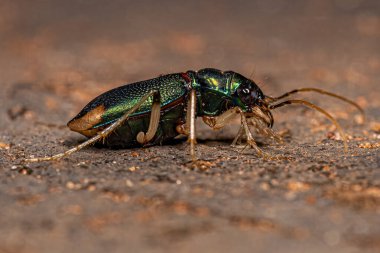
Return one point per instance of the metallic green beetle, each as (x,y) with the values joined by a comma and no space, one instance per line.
(155,111)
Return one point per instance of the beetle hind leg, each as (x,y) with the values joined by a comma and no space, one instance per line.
(101,135)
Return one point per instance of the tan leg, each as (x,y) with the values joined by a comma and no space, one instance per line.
(251,142)
(191,113)
(185,128)
(238,136)
(262,121)
(182,129)
(101,135)
(221,120)
(142,137)
(261,127)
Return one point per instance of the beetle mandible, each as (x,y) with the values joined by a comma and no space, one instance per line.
(155,111)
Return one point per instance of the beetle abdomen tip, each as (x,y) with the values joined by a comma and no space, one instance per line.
(84,124)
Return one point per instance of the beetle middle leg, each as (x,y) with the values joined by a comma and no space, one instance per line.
(142,137)
(191,113)
(108,130)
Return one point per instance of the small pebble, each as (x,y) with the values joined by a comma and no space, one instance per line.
(129,183)
(4,145)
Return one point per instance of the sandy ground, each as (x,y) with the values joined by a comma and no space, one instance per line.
(56,56)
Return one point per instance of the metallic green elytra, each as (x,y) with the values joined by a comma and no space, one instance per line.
(157,110)
(216,92)
(111,105)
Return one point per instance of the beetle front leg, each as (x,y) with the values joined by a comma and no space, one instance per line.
(238,136)
(221,120)
(248,133)
(103,134)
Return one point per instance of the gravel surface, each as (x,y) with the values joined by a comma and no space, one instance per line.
(56,56)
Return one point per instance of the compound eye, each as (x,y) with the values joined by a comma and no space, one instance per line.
(246,91)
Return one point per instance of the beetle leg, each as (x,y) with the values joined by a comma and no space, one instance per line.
(248,133)
(191,113)
(103,134)
(261,128)
(142,137)
(220,121)
(182,129)
(238,136)
(185,128)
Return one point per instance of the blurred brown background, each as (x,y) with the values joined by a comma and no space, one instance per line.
(57,55)
(79,49)
(329,42)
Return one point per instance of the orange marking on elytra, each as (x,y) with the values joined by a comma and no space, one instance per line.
(84,124)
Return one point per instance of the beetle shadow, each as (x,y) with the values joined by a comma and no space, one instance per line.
(75,141)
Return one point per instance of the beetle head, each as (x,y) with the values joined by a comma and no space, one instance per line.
(249,97)
(248,92)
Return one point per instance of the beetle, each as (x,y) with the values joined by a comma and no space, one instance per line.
(155,111)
